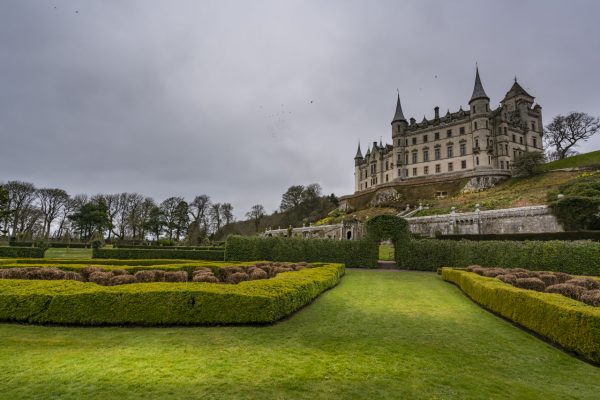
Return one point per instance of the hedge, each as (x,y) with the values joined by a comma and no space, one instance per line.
(30,252)
(197,303)
(89,261)
(572,235)
(569,323)
(56,245)
(157,254)
(352,253)
(152,247)
(578,258)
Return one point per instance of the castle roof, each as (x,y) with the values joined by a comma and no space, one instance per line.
(399,115)
(517,90)
(478,92)
(358,152)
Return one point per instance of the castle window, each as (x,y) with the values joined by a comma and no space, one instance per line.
(486,124)
(533,125)
(386,177)
(449,133)
(425,139)
(414,140)
(505,130)
(438,168)
(507,166)
(499,130)
(514,138)
(425,170)
(414,172)
(521,139)
(449,152)
(475,124)
(387,165)
(463,149)
(450,167)
(462,130)
(398,127)
(399,142)
(463,164)
(477,160)
(501,164)
(414,157)
(437,153)
(474,109)
(437,135)
(425,155)
(487,107)
(506,148)
(406,158)
(534,142)
(406,144)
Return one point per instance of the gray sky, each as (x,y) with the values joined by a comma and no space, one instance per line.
(242,99)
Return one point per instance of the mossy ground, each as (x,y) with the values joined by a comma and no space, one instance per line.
(379,334)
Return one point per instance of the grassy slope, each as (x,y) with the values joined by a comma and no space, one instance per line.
(581,160)
(377,335)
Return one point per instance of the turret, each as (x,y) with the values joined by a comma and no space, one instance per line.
(399,123)
(358,158)
(480,102)
(482,138)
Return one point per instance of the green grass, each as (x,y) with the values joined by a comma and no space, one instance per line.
(68,253)
(377,335)
(581,160)
(386,252)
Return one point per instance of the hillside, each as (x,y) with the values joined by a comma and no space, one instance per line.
(591,160)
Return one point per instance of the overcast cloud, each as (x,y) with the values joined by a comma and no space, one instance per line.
(241,99)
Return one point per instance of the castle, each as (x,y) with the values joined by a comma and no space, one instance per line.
(475,142)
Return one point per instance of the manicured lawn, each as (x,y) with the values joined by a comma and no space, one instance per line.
(379,334)
(68,253)
(386,252)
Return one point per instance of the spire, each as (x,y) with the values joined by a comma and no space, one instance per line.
(478,92)
(358,152)
(368,153)
(398,116)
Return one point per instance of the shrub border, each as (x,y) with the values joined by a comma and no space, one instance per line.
(120,253)
(568,323)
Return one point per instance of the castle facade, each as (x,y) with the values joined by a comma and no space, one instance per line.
(476,140)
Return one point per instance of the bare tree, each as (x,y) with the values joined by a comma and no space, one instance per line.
(227,213)
(256,214)
(216,216)
(199,217)
(20,199)
(565,132)
(51,203)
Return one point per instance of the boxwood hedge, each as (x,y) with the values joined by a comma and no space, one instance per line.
(83,303)
(159,253)
(569,323)
(578,258)
(31,252)
(352,253)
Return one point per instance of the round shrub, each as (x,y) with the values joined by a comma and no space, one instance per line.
(205,278)
(202,270)
(591,297)
(119,272)
(566,289)
(237,277)
(587,283)
(176,276)
(562,277)
(73,276)
(122,279)
(507,278)
(258,274)
(493,272)
(549,279)
(531,284)
(145,276)
(87,271)
(100,277)
(159,275)
(522,275)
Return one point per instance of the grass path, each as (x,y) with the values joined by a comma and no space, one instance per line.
(379,334)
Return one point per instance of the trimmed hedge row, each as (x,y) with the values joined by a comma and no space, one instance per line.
(153,247)
(30,252)
(569,323)
(56,245)
(210,255)
(573,235)
(352,253)
(84,303)
(89,261)
(577,258)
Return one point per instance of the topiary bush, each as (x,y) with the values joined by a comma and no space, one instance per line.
(566,289)
(530,283)
(586,283)
(168,253)
(21,252)
(591,297)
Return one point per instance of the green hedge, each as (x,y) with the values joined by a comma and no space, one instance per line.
(571,235)
(352,253)
(158,254)
(569,323)
(579,258)
(56,245)
(30,252)
(155,247)
(82,303)
(89,261)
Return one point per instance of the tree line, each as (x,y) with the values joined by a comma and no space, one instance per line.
(29,213)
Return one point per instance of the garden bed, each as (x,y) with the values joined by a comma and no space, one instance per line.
(164,303)
(571,324)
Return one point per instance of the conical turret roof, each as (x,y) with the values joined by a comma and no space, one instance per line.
(358,152)
(399,115)
(478,92)
(517,90)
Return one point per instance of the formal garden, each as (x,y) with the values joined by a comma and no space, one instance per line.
(299,318)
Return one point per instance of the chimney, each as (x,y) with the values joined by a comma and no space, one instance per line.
(412,121)
(437,112)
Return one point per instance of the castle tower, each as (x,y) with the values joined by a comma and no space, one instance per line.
(399,125)
(483,142)
(358,160)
